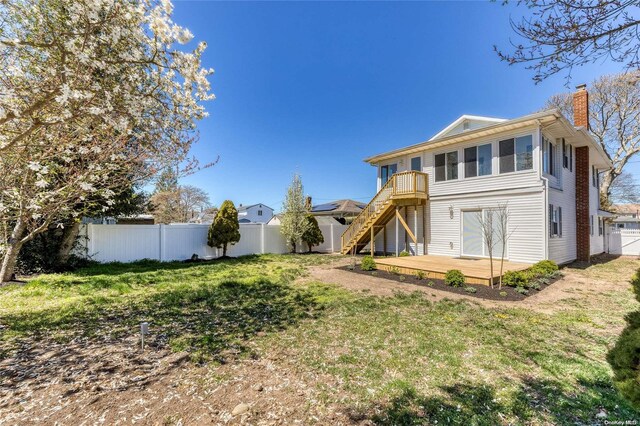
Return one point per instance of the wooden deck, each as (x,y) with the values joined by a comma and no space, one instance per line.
(476,271)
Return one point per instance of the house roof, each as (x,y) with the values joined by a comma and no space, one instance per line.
(626,208)
(338,207)
(462,119)
(242,208)
(579,136)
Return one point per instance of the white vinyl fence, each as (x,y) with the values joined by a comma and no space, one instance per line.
(624,242)
(128,243)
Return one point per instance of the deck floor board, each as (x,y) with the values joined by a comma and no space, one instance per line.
(477,271)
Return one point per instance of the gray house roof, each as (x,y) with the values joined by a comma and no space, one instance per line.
(242,208)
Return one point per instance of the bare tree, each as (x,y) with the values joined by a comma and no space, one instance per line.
(486,219)
(503,234)
(625,189)
(179,204)
(561,35)
(614,121)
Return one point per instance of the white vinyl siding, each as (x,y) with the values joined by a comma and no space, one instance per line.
(526,223)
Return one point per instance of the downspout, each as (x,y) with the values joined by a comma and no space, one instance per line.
(545,189)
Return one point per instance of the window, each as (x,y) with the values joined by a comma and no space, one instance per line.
(570,158)
(565,155)
(548,157)
(516,154)
(387,171)
(555,221)
(506,149)
(259,212)
(593,175)
(600,226)
(446,166)
(591,225)
(524,153)
(477,161)
(416,164)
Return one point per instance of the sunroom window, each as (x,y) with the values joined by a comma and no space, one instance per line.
(477,161)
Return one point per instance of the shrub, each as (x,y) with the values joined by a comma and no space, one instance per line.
(368,264)
(534,285)
(522,290)
(404,253)
(224,229)
(454,278)
(470,289)
(544,267)
(312,235)
(515,279)
(503,293)
(421,275)
(430,283)
(623,357)
(402,278)
(394,270)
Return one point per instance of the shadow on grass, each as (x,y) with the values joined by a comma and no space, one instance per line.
(534,400)
(211,322)
(149,265)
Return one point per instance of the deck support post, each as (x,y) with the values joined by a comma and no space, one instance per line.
(373,241)
(415,226)
(397,230)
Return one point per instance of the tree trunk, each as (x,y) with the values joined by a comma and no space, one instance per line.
(68,239)
(605,187)
(224,250)
(491,266)
(504,243)
(293,245)
(10,256)
(310,246)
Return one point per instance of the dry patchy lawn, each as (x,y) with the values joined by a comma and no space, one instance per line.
(285,339)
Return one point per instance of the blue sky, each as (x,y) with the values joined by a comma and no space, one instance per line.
(315,87)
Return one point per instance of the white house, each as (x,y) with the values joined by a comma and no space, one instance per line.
(542,167)
(255,213)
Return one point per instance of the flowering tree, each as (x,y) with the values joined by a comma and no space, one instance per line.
(94,94)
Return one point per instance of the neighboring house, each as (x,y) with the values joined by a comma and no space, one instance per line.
(627,216)
(205,217)
(344,211)
(255,213)
(99,220)
(322,220)
(541,166)
(139,219)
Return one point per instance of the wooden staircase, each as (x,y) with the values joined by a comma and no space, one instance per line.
(402,189)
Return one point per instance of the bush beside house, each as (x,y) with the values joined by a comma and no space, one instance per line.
(225,228)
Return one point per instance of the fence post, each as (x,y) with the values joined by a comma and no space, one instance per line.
(161,242)
(262,225)
(331,230)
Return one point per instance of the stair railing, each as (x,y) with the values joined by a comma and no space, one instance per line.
(398,184)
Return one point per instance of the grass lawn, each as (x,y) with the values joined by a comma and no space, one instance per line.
(383,360)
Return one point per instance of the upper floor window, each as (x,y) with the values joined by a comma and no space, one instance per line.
(259,212)
(477,161)
(567,156)
(594,176)
(416,164)
(446,166)
(387,171)
(549,153)
(516,154)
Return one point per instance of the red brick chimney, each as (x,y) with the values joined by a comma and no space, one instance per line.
(583,234)
(581,107)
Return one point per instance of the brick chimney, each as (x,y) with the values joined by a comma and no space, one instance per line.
(581,119)
(581,107)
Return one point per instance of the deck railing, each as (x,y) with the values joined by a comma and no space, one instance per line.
(402,184)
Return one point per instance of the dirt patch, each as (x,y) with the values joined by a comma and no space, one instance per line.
(114,382)
(480,291)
